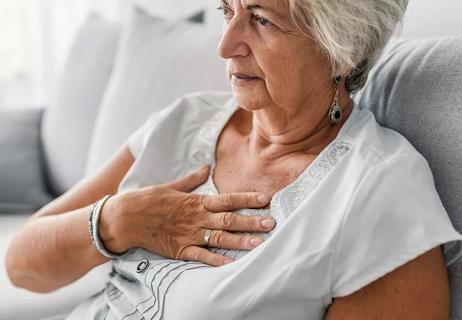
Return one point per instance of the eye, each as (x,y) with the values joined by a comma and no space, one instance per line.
(225,10)
(263,21)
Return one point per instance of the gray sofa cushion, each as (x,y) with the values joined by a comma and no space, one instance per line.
(416,89)
(22,184)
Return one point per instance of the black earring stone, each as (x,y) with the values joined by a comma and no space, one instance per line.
(337,115)
(337,79)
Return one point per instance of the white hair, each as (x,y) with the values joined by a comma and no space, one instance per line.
(352,33)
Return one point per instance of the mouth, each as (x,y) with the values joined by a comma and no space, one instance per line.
(240,79)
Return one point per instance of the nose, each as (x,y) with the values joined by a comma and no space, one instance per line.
(233,43)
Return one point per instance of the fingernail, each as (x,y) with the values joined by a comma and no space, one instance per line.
(262,198)
(256,241)
(267,223)
(228,261)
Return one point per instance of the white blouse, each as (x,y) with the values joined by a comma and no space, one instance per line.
(366,205)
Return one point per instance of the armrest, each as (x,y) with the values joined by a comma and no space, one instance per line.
(22,183)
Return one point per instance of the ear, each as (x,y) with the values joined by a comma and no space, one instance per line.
(357,76)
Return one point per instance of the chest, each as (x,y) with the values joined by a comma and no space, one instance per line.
(237,171)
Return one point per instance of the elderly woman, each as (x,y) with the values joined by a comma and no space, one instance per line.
(354,228)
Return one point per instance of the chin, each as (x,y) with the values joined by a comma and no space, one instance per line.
(249,100)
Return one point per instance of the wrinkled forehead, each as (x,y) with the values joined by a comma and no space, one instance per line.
(279,6)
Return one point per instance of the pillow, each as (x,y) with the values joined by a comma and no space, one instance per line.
(158,61)
(415,89)
(68,123)
(22,186)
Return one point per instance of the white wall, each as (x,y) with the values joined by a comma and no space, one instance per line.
(35,39)
(430,18)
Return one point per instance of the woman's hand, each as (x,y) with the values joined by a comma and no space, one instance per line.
(170,221)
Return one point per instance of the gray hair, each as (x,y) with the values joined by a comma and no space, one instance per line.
(352,33)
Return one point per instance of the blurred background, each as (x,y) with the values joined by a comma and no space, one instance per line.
(36,36)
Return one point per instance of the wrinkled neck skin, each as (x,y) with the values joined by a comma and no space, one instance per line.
(275,134)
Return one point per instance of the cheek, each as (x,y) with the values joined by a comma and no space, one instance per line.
(283,70)
(294,67)
(291,77)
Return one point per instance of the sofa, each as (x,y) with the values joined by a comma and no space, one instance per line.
(117,73)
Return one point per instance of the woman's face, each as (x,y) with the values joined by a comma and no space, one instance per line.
(269,61)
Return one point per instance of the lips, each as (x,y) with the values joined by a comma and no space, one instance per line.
(243,75)
(239,78)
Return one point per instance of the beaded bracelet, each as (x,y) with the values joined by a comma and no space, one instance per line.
(90,219)
(93,227)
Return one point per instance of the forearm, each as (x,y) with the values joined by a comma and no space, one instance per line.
(52,251)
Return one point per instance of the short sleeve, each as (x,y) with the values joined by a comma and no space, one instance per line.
(137,140)
(395,215)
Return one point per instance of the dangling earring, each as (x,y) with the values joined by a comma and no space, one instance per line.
(335,111)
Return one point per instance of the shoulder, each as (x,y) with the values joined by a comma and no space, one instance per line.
(394,212)
(376,146)
(179,120)
(194,106)
(204,99)
(208,98)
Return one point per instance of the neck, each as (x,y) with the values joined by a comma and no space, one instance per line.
(275,134)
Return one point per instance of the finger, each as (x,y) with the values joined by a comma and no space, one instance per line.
(228,240)
(195,253)
(191,181)
(232,201)
(236,222)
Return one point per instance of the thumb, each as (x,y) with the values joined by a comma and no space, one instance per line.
(192,180)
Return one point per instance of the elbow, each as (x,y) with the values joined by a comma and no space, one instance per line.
(22,278)
(11,267)
(22,281)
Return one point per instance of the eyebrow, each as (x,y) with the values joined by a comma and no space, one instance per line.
(254,6)
(251,7)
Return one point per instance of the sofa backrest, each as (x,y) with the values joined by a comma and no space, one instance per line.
(415,89)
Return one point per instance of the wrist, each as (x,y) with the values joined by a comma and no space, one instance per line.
(111,226)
